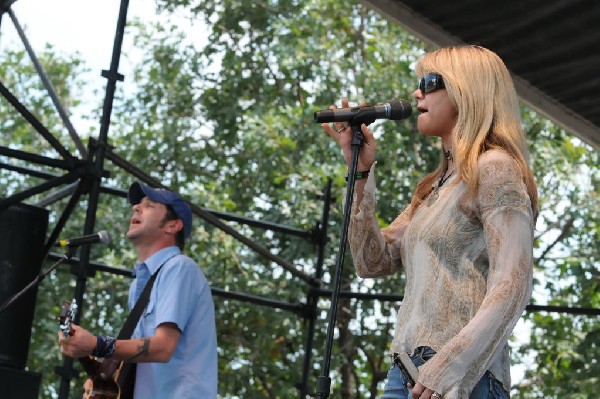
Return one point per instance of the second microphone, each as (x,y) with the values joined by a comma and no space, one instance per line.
(101,237)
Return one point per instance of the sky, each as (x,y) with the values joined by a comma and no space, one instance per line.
(77,26)
(88,27)
(84,26)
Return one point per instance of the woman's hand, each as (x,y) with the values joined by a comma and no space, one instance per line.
(422,392)
(342,134)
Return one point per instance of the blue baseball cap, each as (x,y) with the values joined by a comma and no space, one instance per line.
(137,191)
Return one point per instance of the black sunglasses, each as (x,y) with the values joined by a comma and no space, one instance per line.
(431,82)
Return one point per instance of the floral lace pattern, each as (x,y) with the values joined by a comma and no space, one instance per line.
(468,265)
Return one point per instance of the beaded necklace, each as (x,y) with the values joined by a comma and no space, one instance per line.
(448,155)
(435,191)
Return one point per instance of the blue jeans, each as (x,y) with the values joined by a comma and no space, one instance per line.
(395,388)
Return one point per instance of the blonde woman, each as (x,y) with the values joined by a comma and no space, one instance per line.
(465,240)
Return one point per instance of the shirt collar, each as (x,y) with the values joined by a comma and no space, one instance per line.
(157,259)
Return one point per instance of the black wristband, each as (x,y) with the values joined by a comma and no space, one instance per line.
(105,346)
(360,175)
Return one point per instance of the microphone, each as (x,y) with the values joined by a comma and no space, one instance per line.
(394,110)
(101,237)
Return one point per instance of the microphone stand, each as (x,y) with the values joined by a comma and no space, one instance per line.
(324,381)
(41,276)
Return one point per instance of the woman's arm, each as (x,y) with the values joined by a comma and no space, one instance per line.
(375,251)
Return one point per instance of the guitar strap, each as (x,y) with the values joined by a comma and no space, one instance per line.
(138,308)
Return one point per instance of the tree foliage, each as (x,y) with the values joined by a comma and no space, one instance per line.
(230,125)
(564,347)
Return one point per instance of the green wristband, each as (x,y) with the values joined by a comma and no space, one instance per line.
(360,175)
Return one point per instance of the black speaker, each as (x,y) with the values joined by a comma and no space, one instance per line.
(19,384)
(23,231)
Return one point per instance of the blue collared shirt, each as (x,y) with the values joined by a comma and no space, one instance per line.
(180,295)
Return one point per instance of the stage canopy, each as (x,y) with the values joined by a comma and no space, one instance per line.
(552,48)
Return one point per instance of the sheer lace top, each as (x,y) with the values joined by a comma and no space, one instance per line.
(468,265)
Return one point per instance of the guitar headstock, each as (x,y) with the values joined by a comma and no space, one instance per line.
(67,316)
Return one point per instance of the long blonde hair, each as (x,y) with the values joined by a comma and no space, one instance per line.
(480,87)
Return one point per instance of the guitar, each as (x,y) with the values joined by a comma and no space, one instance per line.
(110,378)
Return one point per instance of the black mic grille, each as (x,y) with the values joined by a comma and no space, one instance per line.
(400,109)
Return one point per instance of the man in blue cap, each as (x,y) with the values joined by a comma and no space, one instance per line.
(174,342)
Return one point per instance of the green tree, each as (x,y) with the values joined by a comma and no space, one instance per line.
(564,346)
(21,79)
(276,67)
